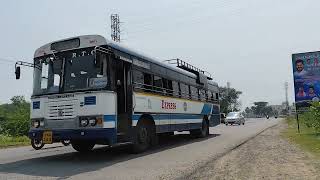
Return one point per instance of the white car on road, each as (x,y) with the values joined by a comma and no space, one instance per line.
(234,118)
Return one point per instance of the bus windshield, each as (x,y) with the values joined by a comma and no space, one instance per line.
(83,73)
(79,73)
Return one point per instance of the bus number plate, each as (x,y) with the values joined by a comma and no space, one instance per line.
(47,137)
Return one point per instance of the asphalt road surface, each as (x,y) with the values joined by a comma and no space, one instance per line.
(174,157)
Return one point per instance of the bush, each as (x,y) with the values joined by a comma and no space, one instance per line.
(312,118)
(14,117)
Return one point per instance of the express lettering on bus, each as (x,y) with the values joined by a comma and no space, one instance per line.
(168,105)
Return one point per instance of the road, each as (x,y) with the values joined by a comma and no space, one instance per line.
(172,158)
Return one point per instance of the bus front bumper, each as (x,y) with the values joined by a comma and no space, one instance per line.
(105,134)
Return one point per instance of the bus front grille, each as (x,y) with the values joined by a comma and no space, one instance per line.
(61,111)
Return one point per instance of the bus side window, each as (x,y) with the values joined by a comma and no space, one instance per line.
(209,96)
(188,92)
(175,87)
(202,94)
(157,84)
(165,86)
(194,93)
(217,96)
(170,88)
(183,90)
(147,82)
(138,80)
(206,95)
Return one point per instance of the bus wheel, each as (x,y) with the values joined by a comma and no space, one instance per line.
(142,139)
(66,142)
(82,146)
(203,131)
(37,144)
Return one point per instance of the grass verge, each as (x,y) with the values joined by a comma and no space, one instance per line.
(307,139)
(8,141)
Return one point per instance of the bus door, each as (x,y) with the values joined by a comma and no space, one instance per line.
(124,97)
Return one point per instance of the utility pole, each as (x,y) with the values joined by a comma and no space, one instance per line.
(286,92)
(115,27)
(228,96)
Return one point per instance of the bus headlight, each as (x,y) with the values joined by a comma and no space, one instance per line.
(84,122)
(93,121)
(36,123)
(42,123)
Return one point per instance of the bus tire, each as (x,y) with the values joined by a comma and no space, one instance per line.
(82,146)
(37,144)
(143,137)
(66,142)
(203,131)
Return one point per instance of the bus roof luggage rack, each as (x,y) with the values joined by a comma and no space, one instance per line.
(188,67)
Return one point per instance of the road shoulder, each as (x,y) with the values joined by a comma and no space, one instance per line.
(266,156)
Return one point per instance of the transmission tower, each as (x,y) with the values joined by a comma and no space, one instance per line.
(286,91)
(115,27)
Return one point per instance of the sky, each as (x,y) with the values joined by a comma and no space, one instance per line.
(247,43)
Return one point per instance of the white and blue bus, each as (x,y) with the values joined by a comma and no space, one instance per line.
(92,91)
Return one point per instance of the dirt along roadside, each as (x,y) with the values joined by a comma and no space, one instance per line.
(266,156)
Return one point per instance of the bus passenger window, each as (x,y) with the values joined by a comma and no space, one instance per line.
(157,83)
(170,88)
(188,92)
(175,87)
(194,93)
(184,90)
(147,82)
(209,96)
(165,86)
(138,80)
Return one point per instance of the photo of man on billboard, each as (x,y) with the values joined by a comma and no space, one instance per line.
(300,71)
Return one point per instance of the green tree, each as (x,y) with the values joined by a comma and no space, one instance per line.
(229,99)
(312,117)
(259,108)
(14,117)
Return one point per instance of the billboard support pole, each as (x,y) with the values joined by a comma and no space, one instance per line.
(298,123)
(297,116)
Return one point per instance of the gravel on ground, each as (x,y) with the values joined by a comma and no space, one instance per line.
(266,156)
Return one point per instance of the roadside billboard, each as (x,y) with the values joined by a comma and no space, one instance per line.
(306,75)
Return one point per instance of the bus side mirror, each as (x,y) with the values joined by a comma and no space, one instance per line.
(18,72)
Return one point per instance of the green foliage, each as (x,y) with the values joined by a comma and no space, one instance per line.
(229,99)
(260,108)
(307,139)
(14,117)
(312,117)
(6,141)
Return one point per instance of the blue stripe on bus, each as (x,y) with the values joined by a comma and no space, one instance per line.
(109,117)
(206,109)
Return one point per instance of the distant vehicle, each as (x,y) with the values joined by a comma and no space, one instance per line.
(234,118)
(223,118)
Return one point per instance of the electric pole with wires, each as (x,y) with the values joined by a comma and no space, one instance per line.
(115,27)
